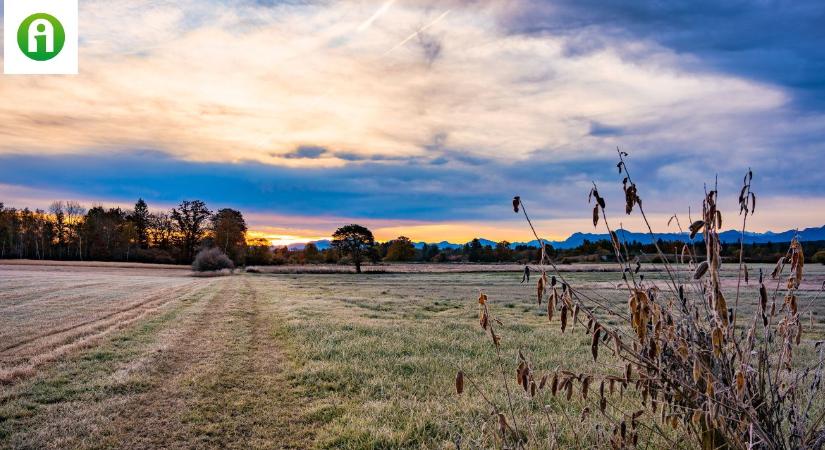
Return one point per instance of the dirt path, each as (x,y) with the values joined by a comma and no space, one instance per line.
(206,374)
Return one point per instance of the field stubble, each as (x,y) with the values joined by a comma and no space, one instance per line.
(156,358)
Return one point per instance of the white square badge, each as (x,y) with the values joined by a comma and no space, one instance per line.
(40,37)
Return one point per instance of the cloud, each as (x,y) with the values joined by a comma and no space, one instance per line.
(290,74)
(402,191)
(599,129)
(306,152)
(773,42)
(302,108)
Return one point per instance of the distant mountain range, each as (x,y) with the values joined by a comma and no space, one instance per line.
(577,239)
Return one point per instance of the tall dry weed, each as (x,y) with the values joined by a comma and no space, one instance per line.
(702,377)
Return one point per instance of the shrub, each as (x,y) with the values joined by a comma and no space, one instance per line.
(819,257)
(211,259)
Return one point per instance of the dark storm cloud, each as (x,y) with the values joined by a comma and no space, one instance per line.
(779,42)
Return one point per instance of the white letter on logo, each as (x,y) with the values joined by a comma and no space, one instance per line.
(41,27)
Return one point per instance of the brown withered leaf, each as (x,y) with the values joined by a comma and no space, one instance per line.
(575,315)
(695,227)
(563,317)
(697,371)
(740,382)
(502,424)
(540,288)
(777,269)
(459,382)
(716,338)
(763,298)
(700,271)
(594,345)
(791,302)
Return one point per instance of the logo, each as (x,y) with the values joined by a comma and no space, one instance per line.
(40,37)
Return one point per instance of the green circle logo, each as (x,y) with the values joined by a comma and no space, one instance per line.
(41,37)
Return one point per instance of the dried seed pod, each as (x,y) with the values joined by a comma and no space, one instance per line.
(700,271)
(569,385)
(554,385)
(496,338)
(502,424)
(459,382)
(575,315)
(740,382)
(763,298)
(595,216)
(543,381)
(520,371)
(683,351)
(697,371)
(533,388)
(585,386)
(540,287)
(594,345)
(790,301)
(585,414)
(563,317)
(716,338)
(695,227)
(482,298)
(777,269)
(516,203)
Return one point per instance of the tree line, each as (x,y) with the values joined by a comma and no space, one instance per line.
(68,231)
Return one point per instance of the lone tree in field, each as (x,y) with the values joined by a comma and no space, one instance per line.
(355,241)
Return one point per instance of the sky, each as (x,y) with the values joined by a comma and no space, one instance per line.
(424,118)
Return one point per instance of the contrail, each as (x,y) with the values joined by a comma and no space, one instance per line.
(437,19)
(380,12)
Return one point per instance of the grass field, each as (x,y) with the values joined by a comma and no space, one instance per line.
(141,357)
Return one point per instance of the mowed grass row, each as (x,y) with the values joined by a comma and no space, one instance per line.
(324,361)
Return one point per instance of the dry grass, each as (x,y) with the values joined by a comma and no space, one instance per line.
(300,361)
